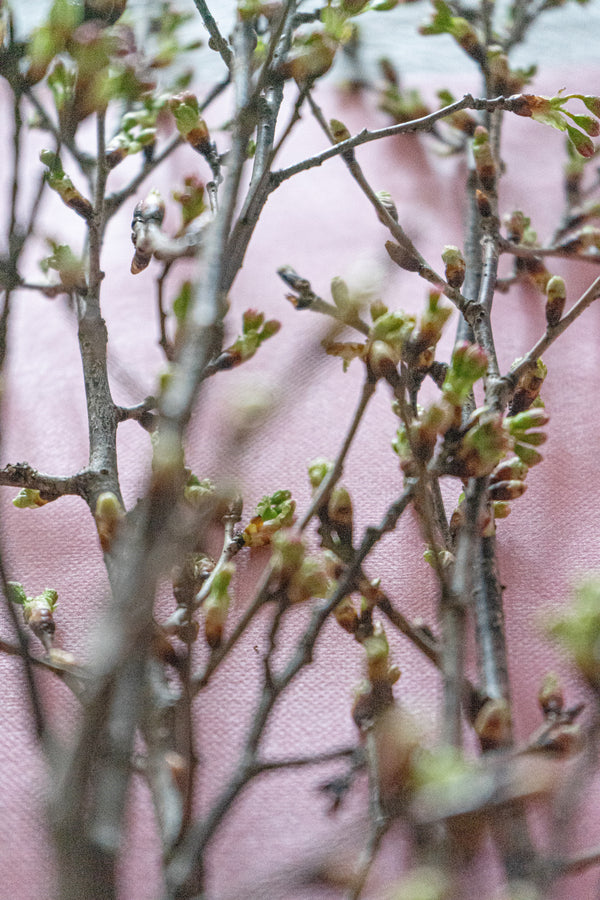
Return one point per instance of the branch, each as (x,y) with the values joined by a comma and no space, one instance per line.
(51,487)
(425,123)
(217,41)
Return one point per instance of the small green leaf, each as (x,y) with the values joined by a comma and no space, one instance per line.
(182,301)
(16,592)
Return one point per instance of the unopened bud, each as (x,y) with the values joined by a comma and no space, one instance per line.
(339,132)
(529,456)
(28,498)
(346,615)
(484,159)
(512,469)
(550,695)
(529,418)
(501,509)
(493,725)
(516,223)
(317,470)
(377,652)
(483,204)
(402,257)
(382,360)
(108,514)
(455,265)
(388,204)
(339,508)
(556,294)
(507,490)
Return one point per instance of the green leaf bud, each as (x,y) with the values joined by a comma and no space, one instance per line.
(582,143)
(377,652)
(318,469)
(16,593)
(501,509)
(289,552)
(516,224)
(530,418)
(252,320)
(308,581)
(339,132)
(556,296)
(216,606)
(577,630)
(529,456)
(28,498)
(341,295)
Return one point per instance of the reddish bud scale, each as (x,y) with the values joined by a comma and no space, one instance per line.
(550,695)
(483,204)
(382,360)
(484,159)
(140,262)
(507,490)
(402,257)
(455,266)
(346,615)
(493,725)
(556,299)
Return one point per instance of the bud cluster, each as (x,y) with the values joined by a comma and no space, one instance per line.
(254,332)
(301,577)
(465,35)
(38,612)
(272,513)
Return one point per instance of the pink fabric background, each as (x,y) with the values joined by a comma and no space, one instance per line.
(321,224)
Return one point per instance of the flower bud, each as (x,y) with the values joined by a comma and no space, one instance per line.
(550,695)
(339,132)
(484,159)
(512,469)
(455,265)
(556,294)
(483,204)
(493,725)
(382,360)
(529,456)
(108,514)
(38,614)
(346,615)
(516,224)
(528,387)
(308,581)
(318,469)
(377,652)
(507,490)
(529,418)
(501,509)
(339,508)
(216,607)
(387,201)
(289,553)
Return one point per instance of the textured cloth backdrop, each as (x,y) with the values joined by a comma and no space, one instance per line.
(320,223)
